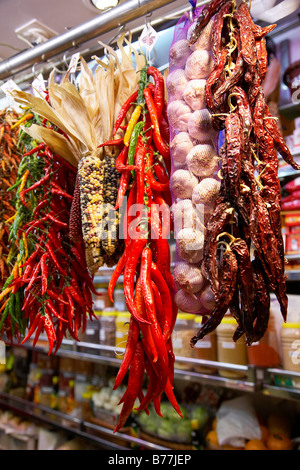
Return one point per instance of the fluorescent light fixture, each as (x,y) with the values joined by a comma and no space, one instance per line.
(104,4)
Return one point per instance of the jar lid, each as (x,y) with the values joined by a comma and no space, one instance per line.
(290,325)
(186,316)
(229,321)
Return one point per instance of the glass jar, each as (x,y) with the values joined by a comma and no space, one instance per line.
(107,333)
(265,352)
(101,301)
(122,327)
(90,335)
(290,342)
(183,332)
(229,351)
(119,298)
(205,349)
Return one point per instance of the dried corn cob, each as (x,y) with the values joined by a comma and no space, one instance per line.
(90,175)
(110,221)
(75,230)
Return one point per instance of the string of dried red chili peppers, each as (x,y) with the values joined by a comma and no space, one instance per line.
(54,280)
(144,164)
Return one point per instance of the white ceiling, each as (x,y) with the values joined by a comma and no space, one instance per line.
(60,15)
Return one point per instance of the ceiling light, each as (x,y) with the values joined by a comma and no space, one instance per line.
(104,4)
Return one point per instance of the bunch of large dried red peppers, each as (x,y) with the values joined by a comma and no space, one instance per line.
(144,163)
(243,250)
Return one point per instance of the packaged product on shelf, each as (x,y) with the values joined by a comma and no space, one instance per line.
(231,352)
(205,349)
(66,380)
(107,333)
(122,328)
(183,330)
(290,343)
(101,301)
(119,298)
(265,352)
(90,334)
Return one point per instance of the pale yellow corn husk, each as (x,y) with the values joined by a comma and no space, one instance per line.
(87,116)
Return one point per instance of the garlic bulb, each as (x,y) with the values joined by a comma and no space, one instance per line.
(185,215)
(176,82)
(207,298)
(190,245)
(200,126)
(179,52)
(198,65)
(202,160)
(180,146)
(188,277)
(194,94)
(182,183)
(178,113)
(186,302)
(206,193)
(205,38)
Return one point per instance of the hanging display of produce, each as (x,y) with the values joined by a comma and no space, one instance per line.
(226,170)
(103,170)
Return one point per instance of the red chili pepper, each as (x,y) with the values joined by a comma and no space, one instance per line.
(75,295)
(135,379)
(171,397)
(129,275)
(34,276)
(123,111)
(56,221)
(123,186)
(132,339)
(52,309)
(145,274)
(34,150)
(40,205)
(50,331)
(44,270)
(55,261)
(128,218)
(110,143)
(154,385)
(34,186)
(70,309)
(116,274)
(39,329)
(60,192)
(164,208)
(159,88)
(36,223)
(121,160)
(32,328)
(158,305)
(161,145)
(140,174)
(155,185)
(165,294)
(147,338)
(56,297)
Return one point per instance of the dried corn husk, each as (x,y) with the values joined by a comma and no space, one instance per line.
(87,115)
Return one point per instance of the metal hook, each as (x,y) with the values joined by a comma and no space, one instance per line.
(147,22)
(33,70)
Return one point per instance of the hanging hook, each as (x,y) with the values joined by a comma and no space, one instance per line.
(147,16)
(33,70)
